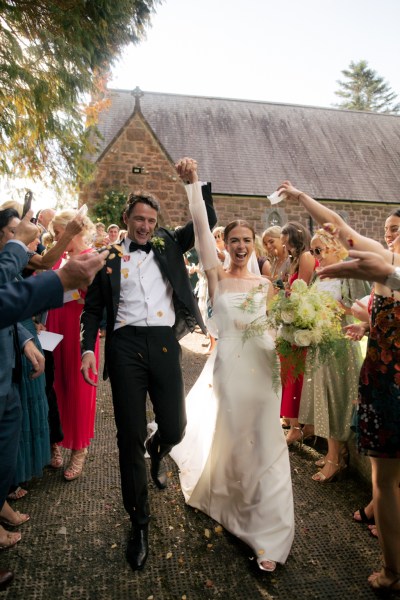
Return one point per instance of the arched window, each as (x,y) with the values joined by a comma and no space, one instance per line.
(274,216)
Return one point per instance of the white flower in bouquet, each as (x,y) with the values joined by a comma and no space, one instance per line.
(307,313)
(308,323)
(303,337)
(286,332)
(317,335)
(299,286)
(287,316)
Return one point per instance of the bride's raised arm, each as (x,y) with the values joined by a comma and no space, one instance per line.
(204,240)
(349,237)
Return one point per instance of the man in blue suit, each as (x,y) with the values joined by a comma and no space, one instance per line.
(19,300)
(13,340)
(22,299)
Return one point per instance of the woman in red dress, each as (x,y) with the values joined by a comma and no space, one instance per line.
(76,399)
(296,239)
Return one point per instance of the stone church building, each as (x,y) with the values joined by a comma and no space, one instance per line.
(347,159)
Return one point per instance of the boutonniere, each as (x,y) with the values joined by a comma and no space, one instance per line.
(158,243)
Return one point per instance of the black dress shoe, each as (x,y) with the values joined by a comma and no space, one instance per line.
(137,549)
(6,578)
(158,470)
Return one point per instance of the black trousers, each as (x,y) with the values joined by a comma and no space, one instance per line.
(144,360)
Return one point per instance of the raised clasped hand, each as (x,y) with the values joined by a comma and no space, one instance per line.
(187,169)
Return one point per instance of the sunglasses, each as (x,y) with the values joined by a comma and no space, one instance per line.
(316,251)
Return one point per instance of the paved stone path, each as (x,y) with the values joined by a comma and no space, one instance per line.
(73,546)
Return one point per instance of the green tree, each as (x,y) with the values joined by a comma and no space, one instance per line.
(364,89)
(53,54)
(110,209)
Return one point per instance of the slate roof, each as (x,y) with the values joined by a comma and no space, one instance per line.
(247,147)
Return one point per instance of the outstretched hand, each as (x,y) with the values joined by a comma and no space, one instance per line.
(288,189)
(79,272)
(187,170)
(26,231)
(367,266)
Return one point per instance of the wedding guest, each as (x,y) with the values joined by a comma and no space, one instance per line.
(329,391)
(44,217)
(233,460)
(33,453)
(392,228)
(378,416)
(122,235)
(113,233)
(20,300)
(262,259)
(276,253)
(12,204)
(76,399)
(142,355)
(218,233)
(296,240)
(100,236)
(34,444)
(14,341)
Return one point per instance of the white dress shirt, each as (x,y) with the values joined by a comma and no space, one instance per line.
(146,295)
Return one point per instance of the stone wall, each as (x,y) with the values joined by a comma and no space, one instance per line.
(368,219)
(136,146)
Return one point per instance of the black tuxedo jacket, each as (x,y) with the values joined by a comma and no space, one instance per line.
(105,289)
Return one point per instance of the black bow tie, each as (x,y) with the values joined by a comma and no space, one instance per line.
(145,247)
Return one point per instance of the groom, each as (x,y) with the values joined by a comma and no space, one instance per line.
(150,305)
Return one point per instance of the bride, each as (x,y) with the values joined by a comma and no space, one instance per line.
(233,460)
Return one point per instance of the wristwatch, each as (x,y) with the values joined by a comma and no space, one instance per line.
(393,280)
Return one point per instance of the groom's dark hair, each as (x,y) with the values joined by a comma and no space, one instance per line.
(136,197)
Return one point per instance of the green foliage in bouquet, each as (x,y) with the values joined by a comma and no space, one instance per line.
(308,322)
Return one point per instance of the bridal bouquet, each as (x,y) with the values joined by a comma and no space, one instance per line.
(308,321)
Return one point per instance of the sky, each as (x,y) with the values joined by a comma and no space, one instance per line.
(285,51)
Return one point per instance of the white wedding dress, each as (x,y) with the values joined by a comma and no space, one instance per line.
(233,460)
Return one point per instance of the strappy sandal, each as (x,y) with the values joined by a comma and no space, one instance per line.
(56,457)
(363,517)
(12,539)
(321,478)
(76,463)
(17,494)
(300,437)
(21,519)
(344,455)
